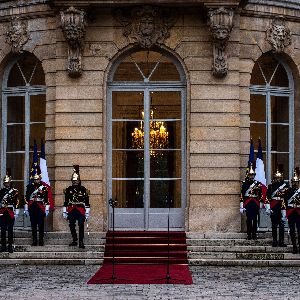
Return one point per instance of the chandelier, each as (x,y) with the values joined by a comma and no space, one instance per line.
(159,136)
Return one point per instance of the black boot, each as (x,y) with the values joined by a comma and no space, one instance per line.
(274,243)
(10,249)
(282,244)
(81,245)
(34,243)
(3,248)
(41,242)
(74,243)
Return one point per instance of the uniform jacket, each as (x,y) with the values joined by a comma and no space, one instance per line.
(276,194)
(76,197)
(292,201)
(37,195)
(251,191)
(9,200)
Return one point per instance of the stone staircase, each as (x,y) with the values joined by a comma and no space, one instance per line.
(221,249)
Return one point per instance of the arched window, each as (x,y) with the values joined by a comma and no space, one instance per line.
(23,116)
(146,140)
(272,113)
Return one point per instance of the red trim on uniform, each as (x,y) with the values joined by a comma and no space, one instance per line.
(39,204)
(248,200)
(273,203)
(79,208)
(10,211)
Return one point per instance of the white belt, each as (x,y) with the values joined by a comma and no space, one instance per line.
(277,198)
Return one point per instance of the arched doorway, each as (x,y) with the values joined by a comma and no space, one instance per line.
(23,119)
(147,141)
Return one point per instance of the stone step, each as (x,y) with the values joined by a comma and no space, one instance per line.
(58,248)
(245,262)
(52,255)
(53,261)
(59,234)
(242,249)
(228,242)
(28,241)
(243,256)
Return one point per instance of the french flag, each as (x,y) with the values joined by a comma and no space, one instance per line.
(44,173)
(260,170)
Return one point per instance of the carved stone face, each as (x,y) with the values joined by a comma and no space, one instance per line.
(220,32)
(147,25)
(280,32)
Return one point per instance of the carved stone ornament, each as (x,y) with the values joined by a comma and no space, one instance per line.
(146,25)
(17,35)
(220,23)
(73,22)
(278,35)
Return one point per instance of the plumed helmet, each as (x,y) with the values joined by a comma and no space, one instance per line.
(7,177)
(251,171)
(278,174)
(296,178)
(38,174)
(75,175)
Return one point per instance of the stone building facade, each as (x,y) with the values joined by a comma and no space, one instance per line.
(72,71)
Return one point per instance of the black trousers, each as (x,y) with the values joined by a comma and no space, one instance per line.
(294,221)
(252,211)
(74,216)
(7,224)
(37,217)
(277,222)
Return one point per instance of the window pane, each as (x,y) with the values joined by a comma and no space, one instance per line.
(15,109)
(165,164)
(128,164)
(37,108)
(258,108)
(162,190)
(258,131)
(165,134)
(129,193)
(15,161)
(127,105)
(280,138)
(127,135)
(32,71)
(280,77)
(282,161)
(166,105)
(37,132)
(165,71)
(15,138)
(280,109)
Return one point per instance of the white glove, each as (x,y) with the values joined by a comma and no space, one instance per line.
(87,213)
(261,205)
(65,214)
(47,210)
(241,204)
(268,208)
(242,210)
(26,213)
(283,215)
(17,212)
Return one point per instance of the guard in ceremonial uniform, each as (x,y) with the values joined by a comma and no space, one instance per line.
(9,211)
(292,202)
(276,206)
(251,196)
(37,205)
(76,207)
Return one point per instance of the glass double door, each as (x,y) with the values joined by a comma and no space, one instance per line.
(146,138)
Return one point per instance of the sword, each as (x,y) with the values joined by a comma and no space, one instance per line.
(87,227)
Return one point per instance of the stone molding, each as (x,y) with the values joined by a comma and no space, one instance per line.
(73,23)
(146,25)
(278,35)
(220,21)
(17,34)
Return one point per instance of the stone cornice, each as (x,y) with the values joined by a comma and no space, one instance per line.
(115,3)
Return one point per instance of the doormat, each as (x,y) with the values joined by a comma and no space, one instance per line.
(142,274)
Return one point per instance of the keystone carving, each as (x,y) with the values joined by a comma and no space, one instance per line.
(73,22)
(278,35)
(146,25)
(220,23)
(17,35)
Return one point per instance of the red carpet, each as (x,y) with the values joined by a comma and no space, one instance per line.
(141,257)
(142,274)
